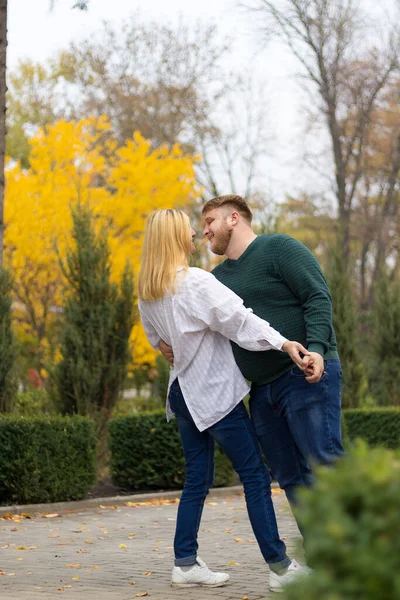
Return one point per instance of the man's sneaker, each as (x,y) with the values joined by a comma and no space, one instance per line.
(294,572)
(198,575)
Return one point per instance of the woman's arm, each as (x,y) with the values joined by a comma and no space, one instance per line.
(220,309)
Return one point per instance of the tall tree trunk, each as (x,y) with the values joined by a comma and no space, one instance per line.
(3,54)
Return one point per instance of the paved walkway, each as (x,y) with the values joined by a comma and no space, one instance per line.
(125,552)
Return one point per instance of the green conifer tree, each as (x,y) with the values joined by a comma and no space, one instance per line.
(355,381)
(386,371)
(97,321)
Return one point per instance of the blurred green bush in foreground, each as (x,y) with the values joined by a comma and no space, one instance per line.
(352,523)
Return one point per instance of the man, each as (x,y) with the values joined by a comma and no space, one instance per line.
(296,415)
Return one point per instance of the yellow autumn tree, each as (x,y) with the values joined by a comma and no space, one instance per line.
(73,162)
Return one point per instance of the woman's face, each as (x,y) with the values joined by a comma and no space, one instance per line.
(193,235)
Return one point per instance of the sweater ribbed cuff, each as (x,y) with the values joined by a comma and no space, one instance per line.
(316,347)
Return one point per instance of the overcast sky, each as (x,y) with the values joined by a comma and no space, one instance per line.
(37,32)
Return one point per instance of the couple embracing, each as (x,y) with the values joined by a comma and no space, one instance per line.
(214,328)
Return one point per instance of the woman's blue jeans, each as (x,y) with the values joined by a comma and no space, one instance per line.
(236,436)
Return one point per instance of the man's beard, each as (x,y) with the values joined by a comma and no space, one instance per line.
(221,241)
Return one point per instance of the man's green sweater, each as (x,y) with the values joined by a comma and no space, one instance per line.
(281,280)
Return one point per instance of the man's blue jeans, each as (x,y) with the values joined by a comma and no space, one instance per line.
(298,424)
(236,436)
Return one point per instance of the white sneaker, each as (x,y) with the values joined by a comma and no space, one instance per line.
(198,575)
(294,571)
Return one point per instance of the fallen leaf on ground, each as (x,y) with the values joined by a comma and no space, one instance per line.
(53,536)
(74,566)
(133,582)
(122,546)
(142,594)
(51,515)
(96,567)
(154,502)
(75,578)
(239,540)
(147,573)
(232,562)
(132,534)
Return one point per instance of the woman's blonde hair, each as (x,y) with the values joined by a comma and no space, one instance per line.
(166,246)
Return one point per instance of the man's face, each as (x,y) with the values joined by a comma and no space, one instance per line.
(217,230)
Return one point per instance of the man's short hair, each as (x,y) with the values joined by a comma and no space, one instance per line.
(231,200)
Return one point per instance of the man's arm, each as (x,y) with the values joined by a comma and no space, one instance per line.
(303,275)
(167,352)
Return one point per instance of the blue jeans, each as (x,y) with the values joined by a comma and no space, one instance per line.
(298,424)
(236,436)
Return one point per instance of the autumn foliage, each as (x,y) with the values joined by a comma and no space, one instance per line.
(79,161)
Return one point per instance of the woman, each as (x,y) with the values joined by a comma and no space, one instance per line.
(197,315)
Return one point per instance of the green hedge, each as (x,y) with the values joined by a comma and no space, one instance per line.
(146,452)
(46,459)
(377,426)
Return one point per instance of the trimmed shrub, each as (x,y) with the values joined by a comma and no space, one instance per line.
(46,459)
(146,452)
(352,526)
(377,426)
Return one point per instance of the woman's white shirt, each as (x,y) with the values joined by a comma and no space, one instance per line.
(198,321)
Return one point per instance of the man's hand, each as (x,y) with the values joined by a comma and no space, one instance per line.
(294,349)
(167,352)
(314,367)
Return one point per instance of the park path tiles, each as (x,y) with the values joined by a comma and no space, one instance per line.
(125,552)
